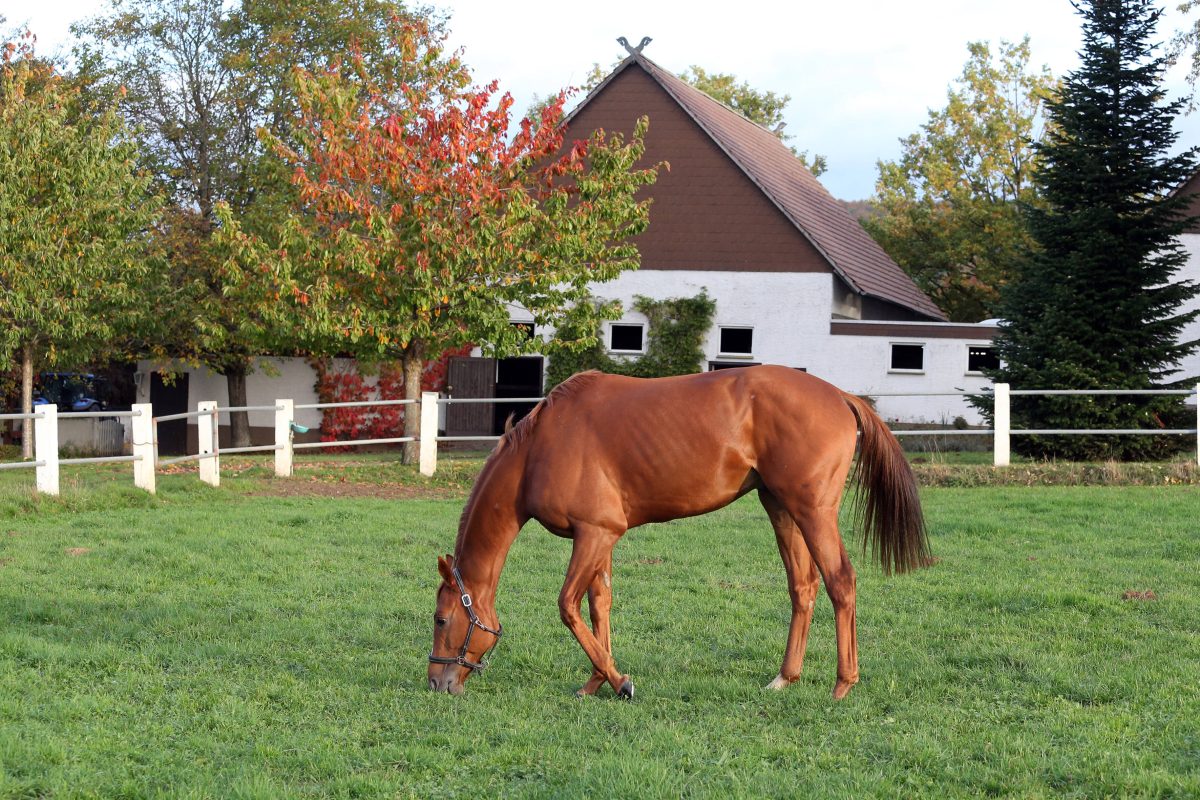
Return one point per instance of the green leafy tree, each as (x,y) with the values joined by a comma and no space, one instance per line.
(203,78)
(421,221)
(1186,43)
(198,139)
(74,215)
(951,204)
(1097,304)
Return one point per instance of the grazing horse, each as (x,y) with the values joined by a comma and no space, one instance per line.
(602,454)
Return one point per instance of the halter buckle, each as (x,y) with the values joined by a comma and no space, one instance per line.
(466,600)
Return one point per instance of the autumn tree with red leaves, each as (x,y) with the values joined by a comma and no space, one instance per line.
(421,222)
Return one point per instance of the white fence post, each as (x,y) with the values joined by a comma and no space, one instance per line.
(1198,423)
(207,430)
(284,414)
(144,446)
(45,448)
(1002,413)
(429,431)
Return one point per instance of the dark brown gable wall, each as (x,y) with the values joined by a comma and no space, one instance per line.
(1192,187)
(706,215)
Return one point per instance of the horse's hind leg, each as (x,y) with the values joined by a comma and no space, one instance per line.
(599,605)
(803,580)
(591,554)
(818,523)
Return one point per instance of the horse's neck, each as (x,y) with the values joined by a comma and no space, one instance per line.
(492,521)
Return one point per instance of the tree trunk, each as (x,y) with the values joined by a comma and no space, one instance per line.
(239,421)
(27,401)
(414,366)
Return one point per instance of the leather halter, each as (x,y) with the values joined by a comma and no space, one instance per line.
(461,658)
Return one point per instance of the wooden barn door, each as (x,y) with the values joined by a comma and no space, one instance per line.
(470,377)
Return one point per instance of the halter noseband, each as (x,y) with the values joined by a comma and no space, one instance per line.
(461,658)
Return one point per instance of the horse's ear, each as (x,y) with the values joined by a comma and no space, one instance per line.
(445,567)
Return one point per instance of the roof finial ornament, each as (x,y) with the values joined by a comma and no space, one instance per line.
(633,51)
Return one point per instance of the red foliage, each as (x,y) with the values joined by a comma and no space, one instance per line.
(343,384)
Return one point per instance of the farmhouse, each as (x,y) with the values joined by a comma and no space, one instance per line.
(796,279)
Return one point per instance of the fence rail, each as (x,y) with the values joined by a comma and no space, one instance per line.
(144,431)
(17,417)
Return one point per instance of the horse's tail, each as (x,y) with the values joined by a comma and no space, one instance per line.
(887,506)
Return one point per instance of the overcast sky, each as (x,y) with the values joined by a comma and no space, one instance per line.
(861,74)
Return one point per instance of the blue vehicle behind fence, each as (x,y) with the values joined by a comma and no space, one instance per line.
(70,391)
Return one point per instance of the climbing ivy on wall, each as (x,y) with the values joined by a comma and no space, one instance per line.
(674,342)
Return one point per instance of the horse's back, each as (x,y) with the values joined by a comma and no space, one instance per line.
(652,449)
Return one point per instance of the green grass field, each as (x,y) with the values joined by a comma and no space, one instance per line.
(261,641)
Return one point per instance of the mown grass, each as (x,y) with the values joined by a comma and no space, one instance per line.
(222,643)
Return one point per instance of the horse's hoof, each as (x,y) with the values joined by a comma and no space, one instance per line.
(842,688)
(626,690)
(779,684)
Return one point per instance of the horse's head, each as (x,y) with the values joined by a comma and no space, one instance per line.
(460,638)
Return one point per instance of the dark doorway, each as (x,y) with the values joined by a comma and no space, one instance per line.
(713,366)
(172,399)
(470,378)
(516,377)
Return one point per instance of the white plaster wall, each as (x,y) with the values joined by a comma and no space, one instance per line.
(860,365)
(790,314)
(789,311)
(272,379)
(1190,366)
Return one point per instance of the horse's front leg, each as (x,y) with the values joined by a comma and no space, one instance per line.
(590,557)
(599,596)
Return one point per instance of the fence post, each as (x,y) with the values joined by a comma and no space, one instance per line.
(45,448)
(207,430)
(429,431)
(143,445)
(284,414)
(1001,439)
(1198,423)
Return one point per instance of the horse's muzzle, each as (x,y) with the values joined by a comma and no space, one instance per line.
(446,682)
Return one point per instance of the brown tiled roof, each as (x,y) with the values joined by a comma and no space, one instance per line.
(770,164)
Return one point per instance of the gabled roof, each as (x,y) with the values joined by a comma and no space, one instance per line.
(852,254)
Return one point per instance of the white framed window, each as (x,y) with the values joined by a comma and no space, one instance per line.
(627,337)
(736,341)
(981,357)
(907,357)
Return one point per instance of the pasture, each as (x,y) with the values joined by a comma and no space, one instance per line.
(261,640)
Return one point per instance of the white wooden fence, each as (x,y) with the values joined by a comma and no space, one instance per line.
(146,461)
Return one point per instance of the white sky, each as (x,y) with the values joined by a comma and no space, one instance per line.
(861,74)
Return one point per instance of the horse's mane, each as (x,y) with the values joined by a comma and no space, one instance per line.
(515,435)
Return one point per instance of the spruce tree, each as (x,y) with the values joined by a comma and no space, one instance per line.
(1097,305)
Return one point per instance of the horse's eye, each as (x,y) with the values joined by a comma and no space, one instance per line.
(441,621)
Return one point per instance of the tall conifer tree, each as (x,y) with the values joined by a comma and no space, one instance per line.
(1097,304)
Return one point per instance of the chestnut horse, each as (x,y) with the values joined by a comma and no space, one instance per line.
(602,454)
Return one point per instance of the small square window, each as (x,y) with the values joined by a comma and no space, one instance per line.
(737,341)
(908,357)
(626,338)
(981,358)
